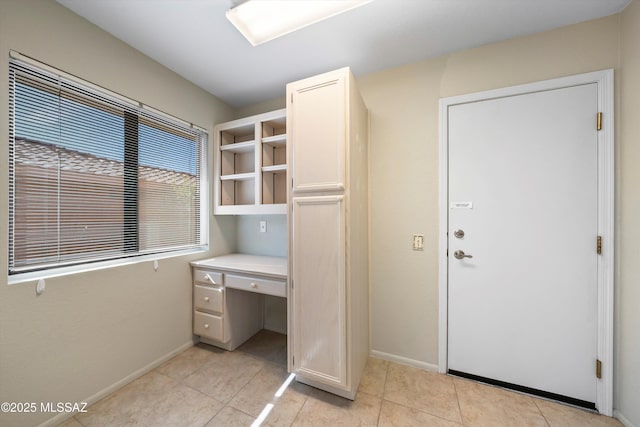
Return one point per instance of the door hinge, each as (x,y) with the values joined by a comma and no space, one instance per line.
(291,284)
(598,368)
(599,245)
(599,121)
(292,97)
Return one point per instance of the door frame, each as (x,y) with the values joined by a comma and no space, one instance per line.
(606,192)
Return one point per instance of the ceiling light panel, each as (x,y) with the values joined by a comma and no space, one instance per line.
(263,20)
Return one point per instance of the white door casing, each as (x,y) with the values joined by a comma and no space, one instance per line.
(596,306)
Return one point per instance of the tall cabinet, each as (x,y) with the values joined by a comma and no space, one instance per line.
(327,156)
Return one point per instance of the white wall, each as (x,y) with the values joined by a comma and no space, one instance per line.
(91,330)
(251,241)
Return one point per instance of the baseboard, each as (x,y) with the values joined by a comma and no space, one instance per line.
(61,417)
(276,328)
(405,360)
(617,415)
(351,395)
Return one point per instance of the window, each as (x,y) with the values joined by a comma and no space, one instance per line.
(94,177)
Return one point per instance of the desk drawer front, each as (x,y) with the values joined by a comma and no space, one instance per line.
(208,298)
(208,277)
(208,326)
(263,286)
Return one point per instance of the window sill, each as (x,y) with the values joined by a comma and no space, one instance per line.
(65,271)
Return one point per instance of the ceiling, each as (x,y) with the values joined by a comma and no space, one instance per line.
(194,38)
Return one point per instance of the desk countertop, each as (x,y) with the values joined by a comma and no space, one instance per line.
(275,267)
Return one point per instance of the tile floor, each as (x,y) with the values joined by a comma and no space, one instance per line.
(205,386)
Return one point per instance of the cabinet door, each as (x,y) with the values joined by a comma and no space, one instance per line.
(318,296)
(317,114)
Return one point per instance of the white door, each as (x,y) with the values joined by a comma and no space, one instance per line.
(523,183)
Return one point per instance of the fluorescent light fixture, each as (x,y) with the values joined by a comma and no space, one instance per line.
(263,20)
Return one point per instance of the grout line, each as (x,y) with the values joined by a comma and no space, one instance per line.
(384,388)
(306,399)
(240,410)
(461,422)
(379,412)
(214,415)
(541,413)
(455,389)
(78,421)
(244,385)
(431,414)
(386,375)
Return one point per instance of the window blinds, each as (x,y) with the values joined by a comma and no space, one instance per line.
(94,178)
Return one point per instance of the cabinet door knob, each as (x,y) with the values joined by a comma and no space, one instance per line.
(206,326)
(254,285)
(206,299)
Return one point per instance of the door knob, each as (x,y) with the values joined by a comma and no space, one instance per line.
(460,254)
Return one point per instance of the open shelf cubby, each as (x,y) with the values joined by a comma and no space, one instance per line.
(251,165)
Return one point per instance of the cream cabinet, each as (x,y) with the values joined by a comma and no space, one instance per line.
(327,133)
(250,165)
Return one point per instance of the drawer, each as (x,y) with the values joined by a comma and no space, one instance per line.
(208,298)
(263,286)
(209,277)
(208,326)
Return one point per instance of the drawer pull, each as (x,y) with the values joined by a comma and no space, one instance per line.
(208,278)
(206,326)
(254,285)
(206,299)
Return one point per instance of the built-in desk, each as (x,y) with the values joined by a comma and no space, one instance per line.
(228,296)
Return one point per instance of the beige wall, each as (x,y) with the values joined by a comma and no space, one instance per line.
(262,107)
(88,331)
(403,104)
(403,107)
(627,338)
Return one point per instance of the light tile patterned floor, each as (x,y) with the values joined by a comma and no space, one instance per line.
(205,386)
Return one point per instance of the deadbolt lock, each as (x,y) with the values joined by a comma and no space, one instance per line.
(458,233)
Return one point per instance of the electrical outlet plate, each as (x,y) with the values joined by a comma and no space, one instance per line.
(418,242)
(263,226)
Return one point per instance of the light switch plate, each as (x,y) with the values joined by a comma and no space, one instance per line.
(418,242)
(263,226)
